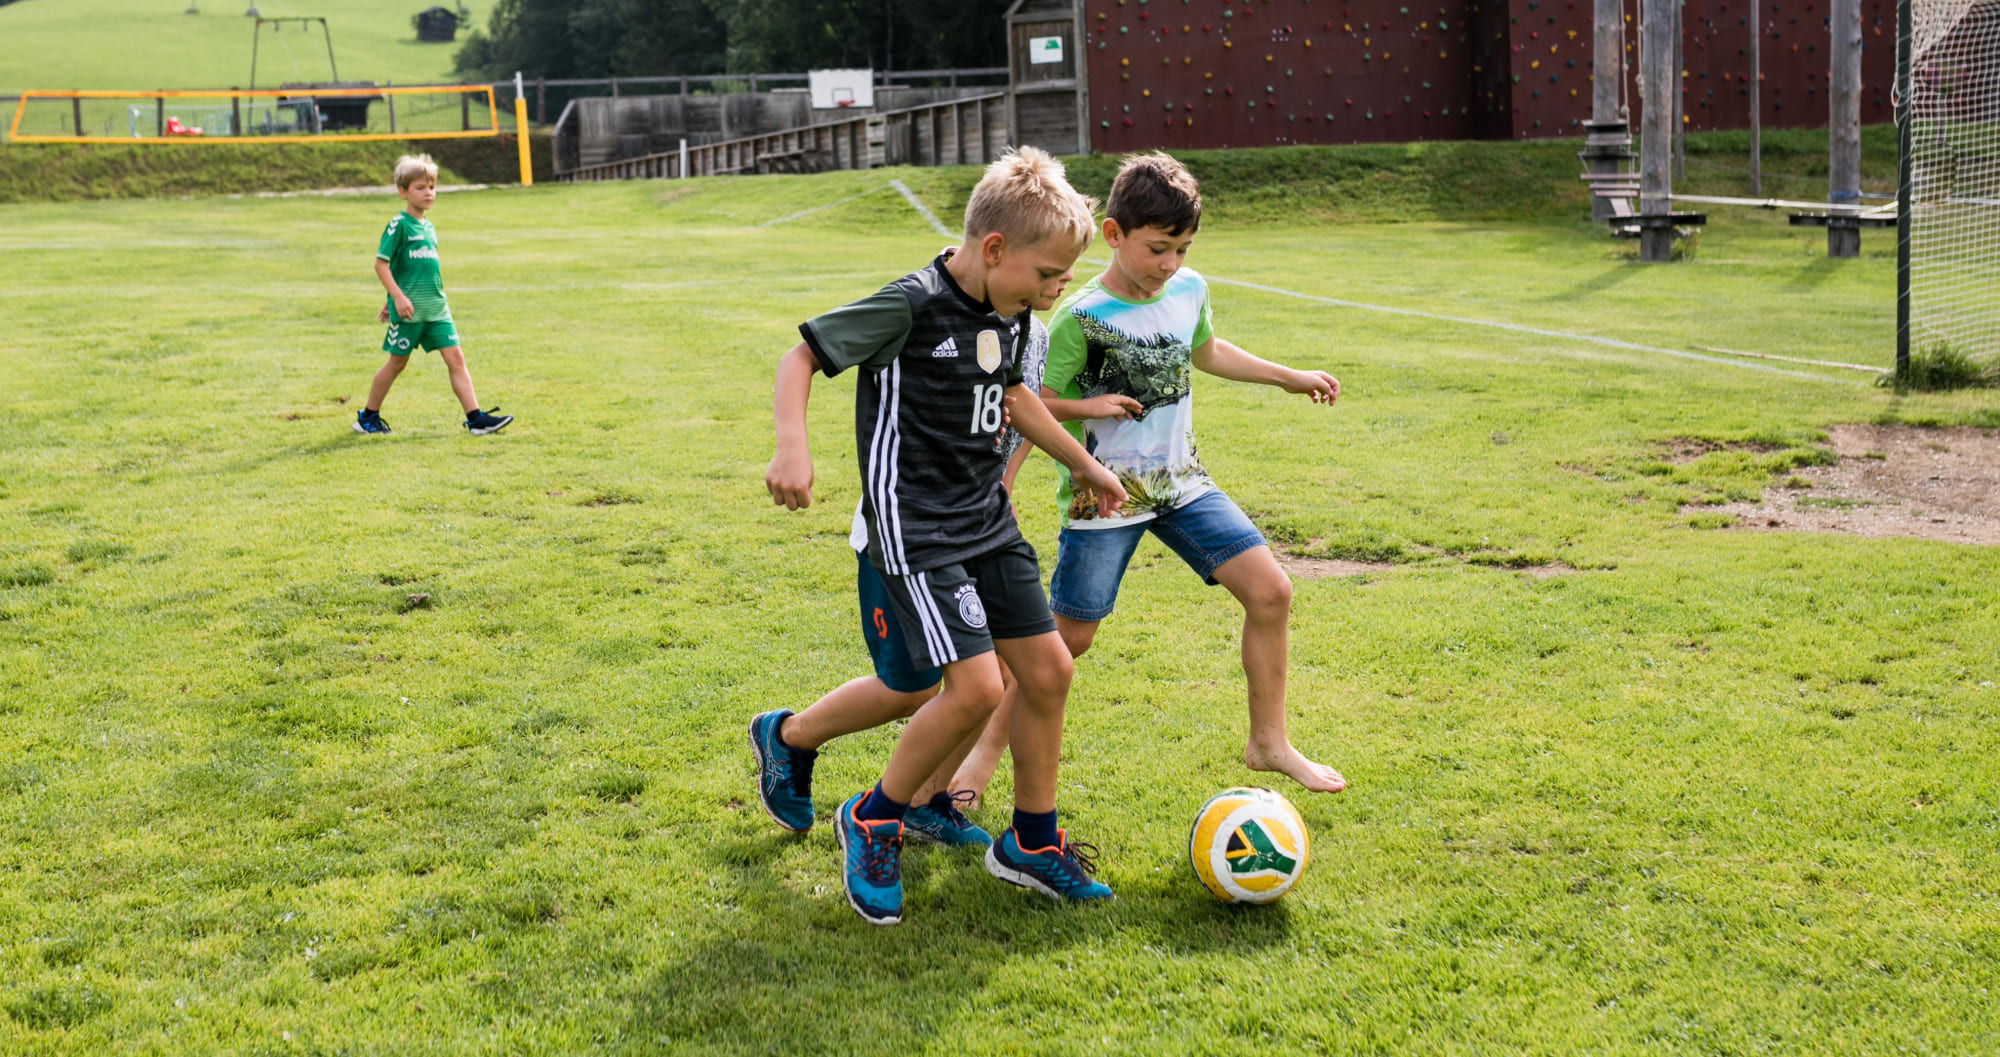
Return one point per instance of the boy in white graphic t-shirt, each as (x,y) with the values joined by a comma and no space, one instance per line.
(1122,351)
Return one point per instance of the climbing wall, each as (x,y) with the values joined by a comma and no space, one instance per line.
(1210,73)
(1549,63)
(1236,73)
(1795,43)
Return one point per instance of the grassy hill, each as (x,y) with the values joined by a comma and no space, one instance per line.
(109,44)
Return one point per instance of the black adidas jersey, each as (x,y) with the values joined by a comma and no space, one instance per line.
(927,415)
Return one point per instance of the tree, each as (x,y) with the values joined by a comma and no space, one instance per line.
(602,38)
(596,38)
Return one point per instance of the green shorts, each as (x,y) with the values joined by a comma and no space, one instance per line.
(434,335)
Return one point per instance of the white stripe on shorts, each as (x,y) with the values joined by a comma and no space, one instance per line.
(937,634)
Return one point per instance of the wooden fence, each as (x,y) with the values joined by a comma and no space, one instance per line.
(968,131)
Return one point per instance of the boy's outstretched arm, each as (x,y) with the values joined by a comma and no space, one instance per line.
(1224,360)
(790,475)
(1039,428)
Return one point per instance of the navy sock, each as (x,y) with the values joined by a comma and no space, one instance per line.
(1035,829)
(877,806)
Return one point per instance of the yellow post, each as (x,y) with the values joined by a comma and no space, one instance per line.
(521,132)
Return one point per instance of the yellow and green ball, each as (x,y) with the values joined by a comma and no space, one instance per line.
(1248,845)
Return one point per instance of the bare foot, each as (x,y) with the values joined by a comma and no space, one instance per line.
(1287,761)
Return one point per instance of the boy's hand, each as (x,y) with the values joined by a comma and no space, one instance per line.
(382,314)
(790,479)
(1103,486)
(1112,405)
(405,309)
(1321,386)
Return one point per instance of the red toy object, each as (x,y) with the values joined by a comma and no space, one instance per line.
(175,128)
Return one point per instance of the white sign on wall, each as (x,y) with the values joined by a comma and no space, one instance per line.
(1044,49)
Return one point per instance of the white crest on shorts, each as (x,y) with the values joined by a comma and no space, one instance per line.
(989,351)
(969,606)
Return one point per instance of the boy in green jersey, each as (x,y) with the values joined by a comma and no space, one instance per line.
(406,261)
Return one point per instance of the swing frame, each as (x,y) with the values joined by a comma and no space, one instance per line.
(257,38)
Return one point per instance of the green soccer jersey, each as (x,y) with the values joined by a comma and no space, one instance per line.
(411,248)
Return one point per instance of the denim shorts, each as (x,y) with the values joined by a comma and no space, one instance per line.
(1090,562)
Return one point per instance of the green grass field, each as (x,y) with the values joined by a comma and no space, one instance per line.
(319,744)
(151,44)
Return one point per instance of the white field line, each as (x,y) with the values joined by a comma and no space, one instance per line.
(829,205)
(922,210)
(1789,359)
(1515,328)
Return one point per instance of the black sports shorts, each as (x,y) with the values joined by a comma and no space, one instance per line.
(956,611)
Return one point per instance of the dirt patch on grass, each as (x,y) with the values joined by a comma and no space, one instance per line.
(1683,450)
(1301,567)
(1891,480)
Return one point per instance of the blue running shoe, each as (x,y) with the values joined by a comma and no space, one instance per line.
(784,774)
(871,864)
(480,423)
(1061,872)
(941,822)
(367,421)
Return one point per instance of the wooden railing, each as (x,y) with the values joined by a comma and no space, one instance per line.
(968,131)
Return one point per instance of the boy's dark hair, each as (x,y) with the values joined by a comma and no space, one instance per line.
(1154,190)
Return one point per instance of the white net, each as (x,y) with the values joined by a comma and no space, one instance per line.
(1954,110)
(295,113)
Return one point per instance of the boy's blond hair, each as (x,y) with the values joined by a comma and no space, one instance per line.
(1025,197)
(411,166)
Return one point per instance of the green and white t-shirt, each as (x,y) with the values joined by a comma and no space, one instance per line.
(1100,343)
(411,248)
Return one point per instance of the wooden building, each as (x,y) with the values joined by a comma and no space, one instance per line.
(1050,95)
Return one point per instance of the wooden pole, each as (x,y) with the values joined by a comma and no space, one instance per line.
(1607,144)
(1756,107)
(1607,61)
(1680,97)
(1843,125)
(1656,97)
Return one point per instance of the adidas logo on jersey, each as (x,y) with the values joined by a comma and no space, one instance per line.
(946,351)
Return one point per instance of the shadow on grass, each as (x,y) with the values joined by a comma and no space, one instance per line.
(1815,274)
(1596,284)
(792,974)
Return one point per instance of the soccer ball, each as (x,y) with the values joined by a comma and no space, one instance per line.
(1248,845)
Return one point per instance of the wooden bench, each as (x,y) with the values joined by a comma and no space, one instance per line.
(797,160)
(1859,220)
